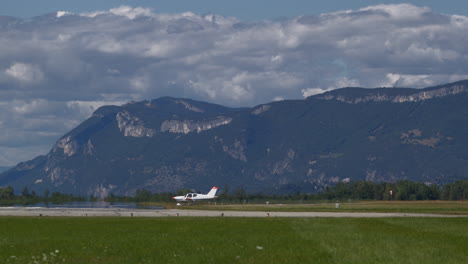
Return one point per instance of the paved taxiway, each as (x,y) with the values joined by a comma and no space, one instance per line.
(114,212)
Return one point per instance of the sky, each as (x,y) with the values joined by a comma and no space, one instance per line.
(60,60)
(242,9)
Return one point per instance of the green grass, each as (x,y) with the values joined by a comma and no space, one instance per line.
(233,240)
(430,207)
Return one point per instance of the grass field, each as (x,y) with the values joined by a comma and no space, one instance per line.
(233,240)
(431,207)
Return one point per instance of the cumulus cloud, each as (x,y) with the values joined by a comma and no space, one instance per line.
(58,68)
(312,91)
(126,11)
(86,108)
(26,73)
(339,83)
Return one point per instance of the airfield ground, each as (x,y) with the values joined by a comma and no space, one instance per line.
(191,235)
(232,240)
(118,212)
(423,207)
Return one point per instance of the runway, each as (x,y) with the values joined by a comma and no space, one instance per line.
(118,212)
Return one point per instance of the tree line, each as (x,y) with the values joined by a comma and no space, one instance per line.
(8,197)
(358,190)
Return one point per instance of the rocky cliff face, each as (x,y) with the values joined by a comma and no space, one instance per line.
(190,107)
(132,126)
(67,146)
(380,96)
(302,145)
(187,126)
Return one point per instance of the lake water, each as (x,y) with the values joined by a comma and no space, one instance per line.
(91,205)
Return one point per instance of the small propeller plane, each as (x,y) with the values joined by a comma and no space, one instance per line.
(192,197)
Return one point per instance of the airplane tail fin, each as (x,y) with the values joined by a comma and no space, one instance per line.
(212,192)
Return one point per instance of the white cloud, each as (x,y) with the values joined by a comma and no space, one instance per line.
(103,43)
(312,91)
(131,13)
(63,13)
(24,72)
(400,11)
(61,68)
(399,80)
(29,107)
(345,82)
(419,81)
(140,83)
(86,108)
(125,11)
(339,83)
(161,49)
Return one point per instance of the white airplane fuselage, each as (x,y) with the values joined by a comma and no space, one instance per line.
(192,197)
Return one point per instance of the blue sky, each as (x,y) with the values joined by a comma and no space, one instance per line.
(242,9)
(56,70)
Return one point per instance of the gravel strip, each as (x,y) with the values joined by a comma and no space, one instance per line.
(110,212)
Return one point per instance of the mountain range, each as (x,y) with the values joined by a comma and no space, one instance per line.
(348,134)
